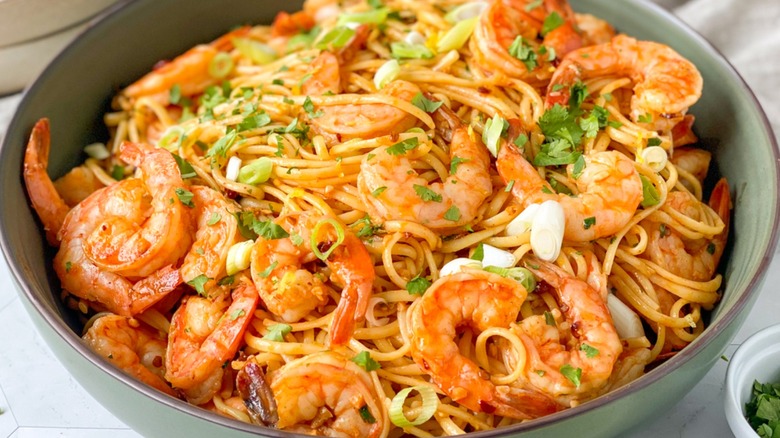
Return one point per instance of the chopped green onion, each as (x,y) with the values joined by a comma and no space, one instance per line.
(239,256)
(256,51)
(256,172)
(97,151)
(387,73)
(655,157)
(339,238)
(547,228)
(233,167)
(336,38)
(376,16)
(457,36)
(493,129)
(520,275)
(403,50)
(430,402)
(171,138)
(466,11)
(221,65)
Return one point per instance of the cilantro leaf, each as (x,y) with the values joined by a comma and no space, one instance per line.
(571,373)
(199,284)
(365,415)
(418,285)
(456,161)
(365,361)
(523,51)
(277,332)
(403,147)
(552,22)
(590,352)
(185,168)
(254,121)
(479,253)
(425,104)
(185,196)
(427,194)
(452,214)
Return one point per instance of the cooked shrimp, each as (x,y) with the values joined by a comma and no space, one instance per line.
(665,83)
(609,186)
(190,71)
(500,26)
(82,277)
(589,351)
(455,201)
(139,243)
(693,259)
(204,334)
(327,394)
(692,160)
(217,231)
(131,347)
(594,30)
(682,133)
(478,300)
(286,24)
(45,199)
(344,122)
(290,291)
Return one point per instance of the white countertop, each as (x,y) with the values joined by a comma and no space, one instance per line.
(38,398)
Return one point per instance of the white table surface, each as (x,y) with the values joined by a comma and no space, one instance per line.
(38,398)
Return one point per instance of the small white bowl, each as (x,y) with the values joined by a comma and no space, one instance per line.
(758,358)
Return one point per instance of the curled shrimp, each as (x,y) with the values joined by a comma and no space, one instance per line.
(131,347)
(589,352)
(190,71)
(204,334)
(327,394)
(291,291)
(692,259)
(135,245)
(217,231)
(45,199)
(610,191)
(454,202)
(505,24)
(478,300)
(665,83)
(367,120)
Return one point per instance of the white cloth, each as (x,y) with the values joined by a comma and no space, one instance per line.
(747,32)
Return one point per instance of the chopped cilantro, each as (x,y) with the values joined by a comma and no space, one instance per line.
(403,146)
(549,319)
(308,106)
(174,96)
(418,285)
(238,313)
(579,166)
(552,22)
(425,104)
(277,332)
(645,118)
(521,140)
(479,253)
(185,196)
(427,194)
(589,222)
(452,214)
(226,281)
(763,410)
(456,161)
(571,373)
(378,191)
(118,172)
(711,248)
(214,218)
(199,283)
(185,168)
(650,196)
(68,266)
(368,229)
(254,121)
(590,352)
(365,361)
(655,141)
(365,415)
(221,146)
(267,271)
(523,51)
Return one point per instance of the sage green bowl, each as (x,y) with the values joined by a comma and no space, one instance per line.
(75,90)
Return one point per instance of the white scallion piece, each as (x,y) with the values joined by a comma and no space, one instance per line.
(456,265)
(233,167)
(239,256)
(456,37)
(497,257)
(626,321)
(547,230)
(523,221)
(466,11)
(655,157)
(415,37)
(97,151)
(387,73)
(492,135)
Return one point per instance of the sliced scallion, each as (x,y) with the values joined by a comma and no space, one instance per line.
(655,157)
(339,238)
(336,38)
(376,16)
(256,172)
(233,166)
(258,52)
(457,36)
(387,73)
(430,402)
(239,257)
(403,50)
(466,11)
(221,65)
(97,151)
(493,129)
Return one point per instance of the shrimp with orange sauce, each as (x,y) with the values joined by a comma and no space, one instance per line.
(478,300)
(217,231)
(290,291)
(665,83)
(505,39)
(131,347)
(575,364)
(136,245)
(609,186)
(190,71)
(69,229)
(327,394)
(204,334)
(451,203)
(696,259)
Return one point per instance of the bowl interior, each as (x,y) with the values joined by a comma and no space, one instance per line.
(75,91)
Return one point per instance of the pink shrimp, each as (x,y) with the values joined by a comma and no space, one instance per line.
(204,334)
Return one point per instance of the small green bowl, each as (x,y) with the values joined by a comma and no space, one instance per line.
(75,91)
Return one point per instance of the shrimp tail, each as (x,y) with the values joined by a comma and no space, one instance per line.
(523,404)
(351,309)
(257,395)
(48,204)
(720,201)
(150,290)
